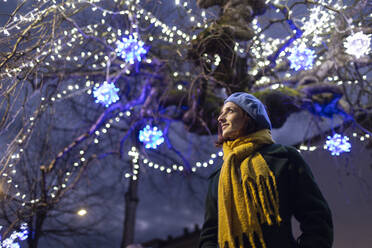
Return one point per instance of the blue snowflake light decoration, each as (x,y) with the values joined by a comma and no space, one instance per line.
(301,58)
(151,137)
(106,94)
(12,241)
(337,144)
(130,49)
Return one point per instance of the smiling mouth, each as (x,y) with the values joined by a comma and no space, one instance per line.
(224,125)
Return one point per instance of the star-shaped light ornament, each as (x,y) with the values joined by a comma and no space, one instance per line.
(106,94)
(337,144)
(301,58)
(151,137)
(130,49)
(358,44)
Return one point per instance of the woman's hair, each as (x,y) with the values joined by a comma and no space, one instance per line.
(250,129)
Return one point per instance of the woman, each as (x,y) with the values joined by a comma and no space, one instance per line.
(260,186)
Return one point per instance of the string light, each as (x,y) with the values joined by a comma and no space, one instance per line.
(16,156)
(337,144)
(135,165)
(262,48)
(68,174)
(106,94)
(308,148)
(136,157)
(315,24)
(319,20)
(358,44)
(77,38)
(82,159)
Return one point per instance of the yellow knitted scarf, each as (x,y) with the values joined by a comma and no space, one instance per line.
(243,205)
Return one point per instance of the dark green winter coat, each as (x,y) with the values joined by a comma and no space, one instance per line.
(299,196)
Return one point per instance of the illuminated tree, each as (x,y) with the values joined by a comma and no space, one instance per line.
(153,63)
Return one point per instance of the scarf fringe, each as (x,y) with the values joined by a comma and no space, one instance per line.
(243,240)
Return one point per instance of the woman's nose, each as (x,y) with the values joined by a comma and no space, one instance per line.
(221,118)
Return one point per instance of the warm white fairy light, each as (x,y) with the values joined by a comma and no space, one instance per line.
(319,20)
(217,60)
(77,37)
(55,189)
(19,20)
(135,166)
(168,170)
(263,80)
(82,159)
(262,47)
(14,153)
(308,148)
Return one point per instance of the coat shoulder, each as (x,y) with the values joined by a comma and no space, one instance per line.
(215,172)
(279,151)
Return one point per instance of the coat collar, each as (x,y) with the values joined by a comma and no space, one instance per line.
(274,154)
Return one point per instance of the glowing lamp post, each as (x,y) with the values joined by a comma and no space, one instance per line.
(82,212)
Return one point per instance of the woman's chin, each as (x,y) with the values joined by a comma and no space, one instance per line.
(229,137)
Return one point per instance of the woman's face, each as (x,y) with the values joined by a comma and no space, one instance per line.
(233,121)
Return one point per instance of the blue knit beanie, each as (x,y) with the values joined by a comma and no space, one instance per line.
(254,107)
